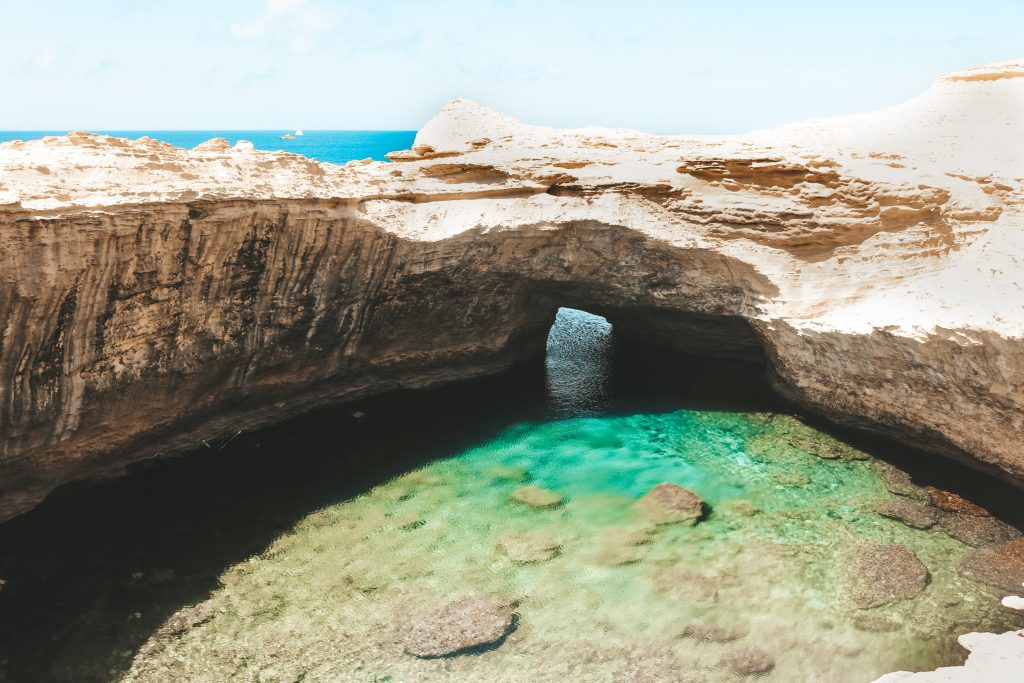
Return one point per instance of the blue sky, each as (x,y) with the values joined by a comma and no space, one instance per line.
(668,67)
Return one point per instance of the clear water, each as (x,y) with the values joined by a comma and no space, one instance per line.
(333,146)
(331,598)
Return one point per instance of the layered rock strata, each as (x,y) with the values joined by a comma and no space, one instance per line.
(155,299)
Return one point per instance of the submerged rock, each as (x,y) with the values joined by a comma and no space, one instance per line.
(1000,565)
(461,626)
(528,548)
(749,661)
(713,633)
(898,482)
(951,502)
(624,546)
(876,623)
(537,497)
(977,531)
(876,574)
(914,515)
(672,504)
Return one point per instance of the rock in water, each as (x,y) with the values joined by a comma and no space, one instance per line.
(459,627)
(537,497)
(528,548)
(749,661)
(977,531)
(877,574)
(951,502)
(671,504)
(999,565)
(913,515)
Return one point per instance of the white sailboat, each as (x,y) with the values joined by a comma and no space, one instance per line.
(298,132)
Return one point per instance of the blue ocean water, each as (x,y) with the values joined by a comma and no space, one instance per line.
(333,146)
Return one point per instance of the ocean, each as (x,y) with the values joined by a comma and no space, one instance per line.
(332,146)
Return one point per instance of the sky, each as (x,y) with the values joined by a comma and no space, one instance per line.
(667,67)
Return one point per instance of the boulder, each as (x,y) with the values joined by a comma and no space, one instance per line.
(1000,565)
(877,574)
(467,624)
(672,504)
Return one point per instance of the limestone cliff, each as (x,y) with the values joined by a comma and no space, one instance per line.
(153,299)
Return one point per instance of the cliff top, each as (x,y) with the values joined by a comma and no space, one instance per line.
(908,218)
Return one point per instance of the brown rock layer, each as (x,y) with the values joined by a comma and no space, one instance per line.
(154,299)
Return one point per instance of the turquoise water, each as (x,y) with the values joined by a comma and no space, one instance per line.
(602,591)
(333,146)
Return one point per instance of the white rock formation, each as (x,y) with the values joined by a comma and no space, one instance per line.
(152,296)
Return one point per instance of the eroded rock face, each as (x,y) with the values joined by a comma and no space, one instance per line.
(463,625)
(876,574)
(153,298)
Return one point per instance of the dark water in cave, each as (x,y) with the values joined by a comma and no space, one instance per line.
(301,552)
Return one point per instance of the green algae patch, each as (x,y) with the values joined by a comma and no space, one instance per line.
(761,584)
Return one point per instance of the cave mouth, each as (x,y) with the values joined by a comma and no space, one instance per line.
(299,550)
(579,363)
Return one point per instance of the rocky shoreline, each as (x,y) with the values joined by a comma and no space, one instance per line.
(154,299)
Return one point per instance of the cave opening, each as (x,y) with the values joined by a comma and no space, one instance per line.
(579,363)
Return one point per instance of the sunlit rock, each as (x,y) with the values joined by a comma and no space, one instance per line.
(670,503)
(463,625)
(877,574)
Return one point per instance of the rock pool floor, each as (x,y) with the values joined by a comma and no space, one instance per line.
(600,592)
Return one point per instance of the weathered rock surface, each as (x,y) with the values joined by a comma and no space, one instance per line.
(1001,566)
(912,514)
(877,574)
(951,502)
(977,531)
(669,503)
(153,298)
(462,625)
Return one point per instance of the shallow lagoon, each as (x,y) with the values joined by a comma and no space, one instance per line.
(600,592)
(307,551)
